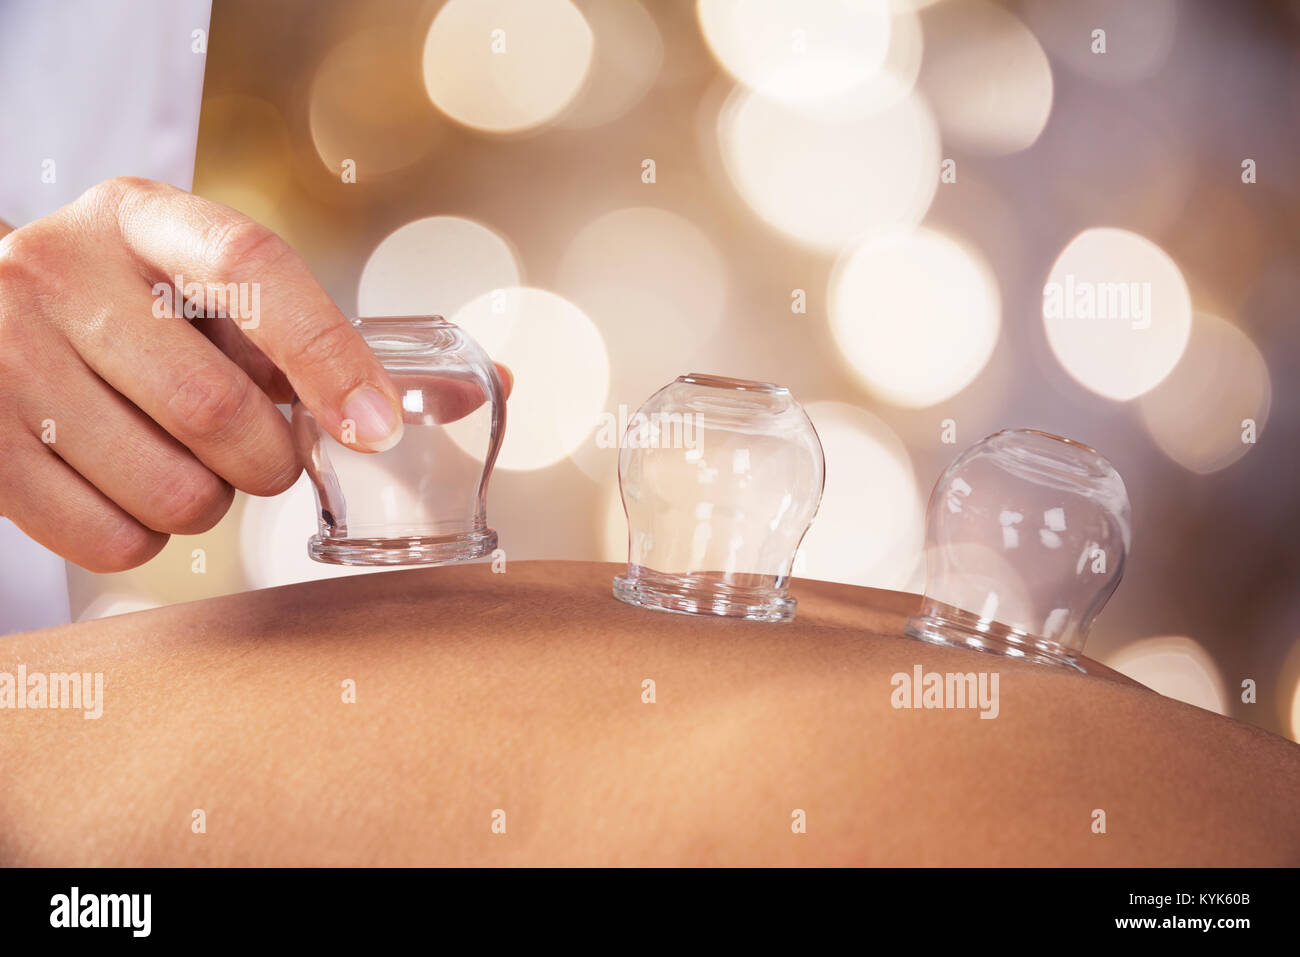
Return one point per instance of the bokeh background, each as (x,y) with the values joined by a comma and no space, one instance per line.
(859,200)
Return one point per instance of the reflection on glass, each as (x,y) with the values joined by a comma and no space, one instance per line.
(424,500)
(720,480)
(1026,538)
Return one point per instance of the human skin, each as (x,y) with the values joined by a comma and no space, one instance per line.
(120,426)
(523,692)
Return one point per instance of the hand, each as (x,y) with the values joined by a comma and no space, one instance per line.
(122,421)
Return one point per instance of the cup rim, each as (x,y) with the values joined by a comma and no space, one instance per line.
(427,320)
(726,382)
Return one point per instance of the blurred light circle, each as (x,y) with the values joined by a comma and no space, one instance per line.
(366,105)
(895,79)
(629,52)
(249,198)
(1117,312)
(248,133)
(639,269)
(824,180)
(1221,275)
(797,51)
(981,214)
(243,157)
(986,76)
(897,76)
(1176,667)
(434,266)
(869,529)
(915,314)
(506,65)
(1195,415)
(1138,35)
(561,373)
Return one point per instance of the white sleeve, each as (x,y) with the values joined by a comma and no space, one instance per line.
(89,89)
(98,88)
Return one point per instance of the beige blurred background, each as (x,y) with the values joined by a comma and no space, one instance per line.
(859,200)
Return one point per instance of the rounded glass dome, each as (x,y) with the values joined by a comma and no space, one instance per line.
(1026,538)
(720,480)
(423,501)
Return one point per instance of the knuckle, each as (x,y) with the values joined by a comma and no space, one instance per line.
(208,403)
(29,256)
(99,327)
(109,196)
(28,266)
(12,330)
(18,375)
(323,346)
(123,185)
(191,500)
(244,247)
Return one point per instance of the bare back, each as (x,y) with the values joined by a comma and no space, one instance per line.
(529,718)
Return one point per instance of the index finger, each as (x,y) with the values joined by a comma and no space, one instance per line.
(282,309)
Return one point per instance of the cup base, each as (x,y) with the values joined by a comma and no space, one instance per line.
(990,637)
(704,593)
(414,550)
